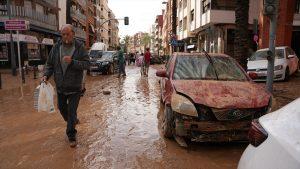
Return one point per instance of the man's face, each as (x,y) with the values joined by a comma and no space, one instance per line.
(67,35)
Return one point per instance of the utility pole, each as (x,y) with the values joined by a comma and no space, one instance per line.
(12,48)
(271,10)
(174,20)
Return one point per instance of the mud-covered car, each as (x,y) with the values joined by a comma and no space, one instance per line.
(107,63)
(209,98)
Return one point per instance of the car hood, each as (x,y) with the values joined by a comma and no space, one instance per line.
(261,64)
(223,94)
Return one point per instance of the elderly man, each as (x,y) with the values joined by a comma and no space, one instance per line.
(67,61)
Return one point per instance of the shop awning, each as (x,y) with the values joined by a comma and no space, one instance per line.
(22,38)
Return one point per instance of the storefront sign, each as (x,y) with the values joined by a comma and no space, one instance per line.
(47,41)
(16,25)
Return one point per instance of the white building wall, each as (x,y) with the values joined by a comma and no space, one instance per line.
(62,4)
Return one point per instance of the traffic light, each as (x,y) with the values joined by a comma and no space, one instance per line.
(270,7)
(126,20)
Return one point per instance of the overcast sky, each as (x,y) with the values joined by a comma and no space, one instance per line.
(141,14)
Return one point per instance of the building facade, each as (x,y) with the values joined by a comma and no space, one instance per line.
(37,41)
(113,31)
(210,25)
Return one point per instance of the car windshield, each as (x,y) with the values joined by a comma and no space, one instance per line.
(200,68)
(107,55)
(95,54)
(262,55)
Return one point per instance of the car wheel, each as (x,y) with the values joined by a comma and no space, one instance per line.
(287,74)
(167,122)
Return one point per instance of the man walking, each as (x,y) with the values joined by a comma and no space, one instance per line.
(147,58)
(67,61)
(121,62)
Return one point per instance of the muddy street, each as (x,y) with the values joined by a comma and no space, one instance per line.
(120,130)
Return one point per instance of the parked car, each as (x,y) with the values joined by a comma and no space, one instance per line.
(286,63)
(274,140)
(209,98)
(108,63)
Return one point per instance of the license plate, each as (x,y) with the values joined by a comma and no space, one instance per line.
(94,67)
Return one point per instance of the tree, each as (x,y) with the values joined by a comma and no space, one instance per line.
(126,41)
(146,40)
(241,40)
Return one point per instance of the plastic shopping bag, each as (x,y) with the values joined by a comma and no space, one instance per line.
(45,98)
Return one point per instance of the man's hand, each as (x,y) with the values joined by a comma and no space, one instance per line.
(44,79)
(67,59)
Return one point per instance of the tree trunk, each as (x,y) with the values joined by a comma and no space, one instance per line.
(241,40)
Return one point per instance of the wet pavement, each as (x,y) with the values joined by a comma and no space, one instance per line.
(119,130)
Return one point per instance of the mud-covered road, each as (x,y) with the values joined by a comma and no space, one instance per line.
(118,131)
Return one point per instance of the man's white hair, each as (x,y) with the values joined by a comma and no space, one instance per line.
(67,26)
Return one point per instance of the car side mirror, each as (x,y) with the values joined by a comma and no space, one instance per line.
(161,73)
(291,56)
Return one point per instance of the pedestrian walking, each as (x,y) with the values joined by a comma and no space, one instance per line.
(67,61)
(121,62)
(147,58)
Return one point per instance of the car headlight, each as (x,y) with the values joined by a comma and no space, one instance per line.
(278,67)
(183,105)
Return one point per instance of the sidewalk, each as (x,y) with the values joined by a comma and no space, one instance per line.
(12,82)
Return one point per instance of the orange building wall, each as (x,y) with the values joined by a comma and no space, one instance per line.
(284,24)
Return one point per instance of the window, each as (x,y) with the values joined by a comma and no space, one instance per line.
(205,5)
(184,23)
(297,7)
(180,26)
(192,15)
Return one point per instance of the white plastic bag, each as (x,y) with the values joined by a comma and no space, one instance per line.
(45,98)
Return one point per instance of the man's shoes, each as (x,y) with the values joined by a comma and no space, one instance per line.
(72,142)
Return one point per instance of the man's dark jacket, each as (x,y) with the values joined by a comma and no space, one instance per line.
(71,81)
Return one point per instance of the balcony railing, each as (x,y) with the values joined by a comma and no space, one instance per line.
(78,14)
(80,33)
(34,17)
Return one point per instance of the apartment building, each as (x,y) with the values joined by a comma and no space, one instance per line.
(210,24)
(36,42)
(113,31)
(167,33)
(158,35)
(103,15)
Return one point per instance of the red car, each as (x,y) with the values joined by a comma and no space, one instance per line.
(209,98)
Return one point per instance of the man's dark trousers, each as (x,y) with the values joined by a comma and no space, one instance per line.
(67,105)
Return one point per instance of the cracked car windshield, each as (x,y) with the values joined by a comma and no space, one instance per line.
(199,68)
(262,55)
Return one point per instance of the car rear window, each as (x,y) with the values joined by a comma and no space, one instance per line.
(200,68)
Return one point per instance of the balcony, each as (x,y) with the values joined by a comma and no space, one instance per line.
(34,17)
(77,14)
(80,33)
(217,16)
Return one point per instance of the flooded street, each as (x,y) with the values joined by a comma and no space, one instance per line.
(120,130)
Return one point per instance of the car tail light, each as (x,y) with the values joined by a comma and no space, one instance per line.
(257,134)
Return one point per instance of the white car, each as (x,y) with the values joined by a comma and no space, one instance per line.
(286,63)
(274,140)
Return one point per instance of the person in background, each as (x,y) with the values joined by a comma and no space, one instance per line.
(147,58)
(67,61)
(121,62)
